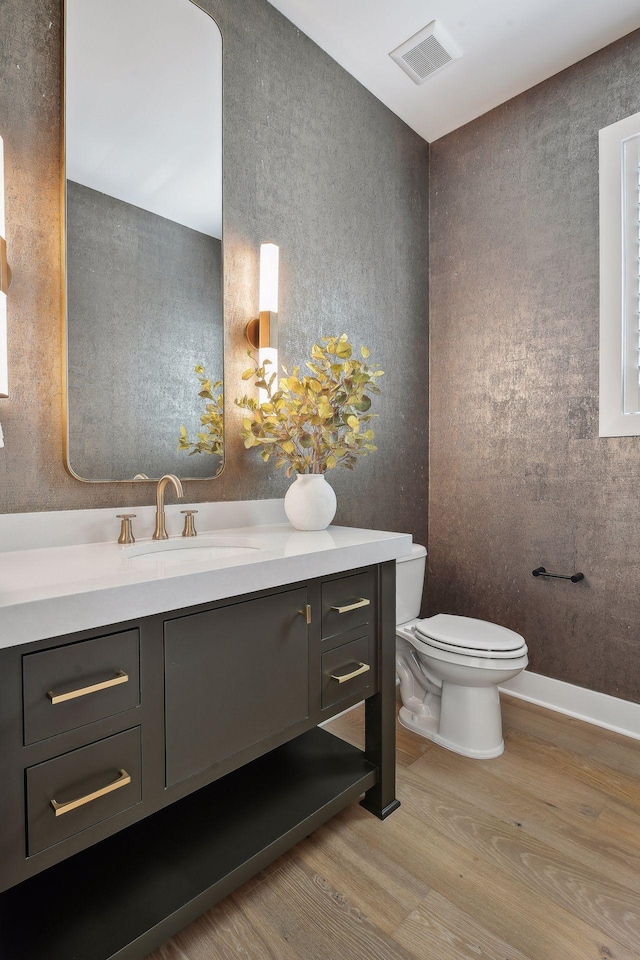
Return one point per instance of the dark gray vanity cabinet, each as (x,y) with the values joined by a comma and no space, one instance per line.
(152,767)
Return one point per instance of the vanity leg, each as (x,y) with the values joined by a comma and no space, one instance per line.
(380,710)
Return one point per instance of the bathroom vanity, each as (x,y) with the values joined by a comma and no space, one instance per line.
(153,762)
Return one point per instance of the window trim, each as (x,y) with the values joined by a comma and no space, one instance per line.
(614,422)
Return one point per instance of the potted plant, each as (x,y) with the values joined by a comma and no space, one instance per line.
(211,438)
(313,422)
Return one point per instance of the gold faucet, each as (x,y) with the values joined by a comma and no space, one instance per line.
(160,533)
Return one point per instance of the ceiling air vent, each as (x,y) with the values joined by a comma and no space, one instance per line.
(426,53)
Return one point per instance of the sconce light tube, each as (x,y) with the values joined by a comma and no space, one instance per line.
(269,268)
(5,283)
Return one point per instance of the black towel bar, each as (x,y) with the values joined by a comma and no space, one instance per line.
(541,572)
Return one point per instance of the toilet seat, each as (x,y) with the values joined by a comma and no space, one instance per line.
(482,662)
(466,636)
(428,644)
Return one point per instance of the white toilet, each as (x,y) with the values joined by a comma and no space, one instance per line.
(450,669)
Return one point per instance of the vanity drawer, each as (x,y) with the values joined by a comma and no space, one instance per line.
(69,686)
(344,673)
(347,603)
(87,786)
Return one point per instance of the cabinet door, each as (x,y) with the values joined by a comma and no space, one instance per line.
(233,677)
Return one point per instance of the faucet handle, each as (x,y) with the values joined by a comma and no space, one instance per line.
(189,523)
(126,533)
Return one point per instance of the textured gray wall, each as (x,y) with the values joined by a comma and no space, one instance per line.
(519,477)
(313,162)
(144,306)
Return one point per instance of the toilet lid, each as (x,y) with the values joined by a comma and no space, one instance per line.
(466,634)
(473,655)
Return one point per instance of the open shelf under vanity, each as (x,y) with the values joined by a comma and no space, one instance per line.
(125,895)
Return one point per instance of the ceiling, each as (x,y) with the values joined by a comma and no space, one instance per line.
(508,46)
(143,112)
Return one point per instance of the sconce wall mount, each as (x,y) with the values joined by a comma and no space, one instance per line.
(263,331)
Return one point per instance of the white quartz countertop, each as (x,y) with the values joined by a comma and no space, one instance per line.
(56,590)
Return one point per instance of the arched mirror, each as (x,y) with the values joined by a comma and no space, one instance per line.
(143,239)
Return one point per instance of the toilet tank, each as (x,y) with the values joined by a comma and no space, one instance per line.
(409,583)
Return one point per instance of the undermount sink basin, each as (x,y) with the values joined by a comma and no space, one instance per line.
(183,550)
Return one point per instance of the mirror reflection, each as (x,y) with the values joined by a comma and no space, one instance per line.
(143,160)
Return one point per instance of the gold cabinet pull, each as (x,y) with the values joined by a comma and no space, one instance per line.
(120,677)
(306,613)
(362,602)
(362,668)
(62,808)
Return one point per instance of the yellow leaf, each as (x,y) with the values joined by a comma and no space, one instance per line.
(365,352)
(248,374)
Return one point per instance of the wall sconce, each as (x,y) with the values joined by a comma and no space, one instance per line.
(5,283)
(262,333)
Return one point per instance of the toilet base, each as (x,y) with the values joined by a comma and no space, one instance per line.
(428,727)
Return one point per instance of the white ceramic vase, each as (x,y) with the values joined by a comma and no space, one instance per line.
(310,502)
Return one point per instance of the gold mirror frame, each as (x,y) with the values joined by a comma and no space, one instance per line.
(63,268)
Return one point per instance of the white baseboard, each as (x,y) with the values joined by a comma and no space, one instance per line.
(622,716)
(612,713)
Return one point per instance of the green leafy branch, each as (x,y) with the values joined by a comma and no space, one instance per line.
(318,421)
(211,438)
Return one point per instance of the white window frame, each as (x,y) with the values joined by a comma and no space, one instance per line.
(616,254)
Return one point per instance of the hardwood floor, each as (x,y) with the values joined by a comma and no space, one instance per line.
(533,856)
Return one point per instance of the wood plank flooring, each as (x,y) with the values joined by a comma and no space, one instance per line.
(533,856)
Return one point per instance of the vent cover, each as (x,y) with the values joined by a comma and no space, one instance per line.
(426,53)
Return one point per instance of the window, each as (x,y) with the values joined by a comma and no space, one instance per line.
(620,278)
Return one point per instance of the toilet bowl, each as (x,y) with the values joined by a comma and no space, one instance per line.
(450,669)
